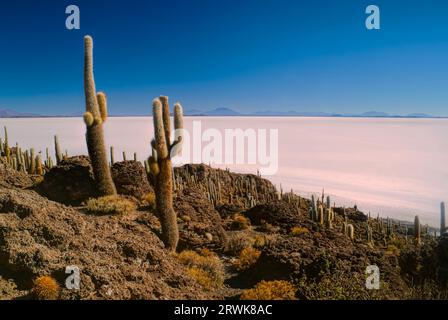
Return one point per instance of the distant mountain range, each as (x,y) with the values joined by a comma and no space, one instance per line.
(370,114)
(226,112)
(8,113)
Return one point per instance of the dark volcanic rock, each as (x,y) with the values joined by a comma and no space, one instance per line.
(228,210)
(278,213)
(199,221)
(118,257)
(321,258)
(70,182)
(130,179)
(10,178)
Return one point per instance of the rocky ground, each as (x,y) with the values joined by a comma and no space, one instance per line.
(45,227)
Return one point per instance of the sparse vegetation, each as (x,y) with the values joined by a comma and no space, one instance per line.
(237,242)
(297,231)
(205,267)
(392,249)
(46,288)
(259,241)
(240,222)
(110,205)
(149,200)
(247,258)
(270,290)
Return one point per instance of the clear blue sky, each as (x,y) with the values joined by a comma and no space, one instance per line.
(246,55)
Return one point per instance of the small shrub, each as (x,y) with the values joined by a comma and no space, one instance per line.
(240,222)
(247,258)
(46,288)
(237,242)
(205,267)
(270,290)
(149,200)
(259,241)
(391,249)
(110,205)
(202,277)
(297,231)
(185,218)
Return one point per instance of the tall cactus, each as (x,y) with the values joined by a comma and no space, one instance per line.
(7,150)
(161,169)
(351,231)
(57,150)
(417,230)
(442,218)
(94,117)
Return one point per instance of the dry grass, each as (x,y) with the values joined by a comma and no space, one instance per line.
(270,290)
(240,222)
(46,288)
(149,200)
(237,242)
(259,241)
(205,267)
(297,231)
(110,205)
(393,250)
(247,258)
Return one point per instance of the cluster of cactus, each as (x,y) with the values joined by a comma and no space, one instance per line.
(348,229)
(293,199)
(220,187)
(27,161)
(322,212)
(161,169)
(94,117)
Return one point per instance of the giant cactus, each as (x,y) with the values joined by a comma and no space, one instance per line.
(442,218)
(161,169)
(94,117)
(417,230)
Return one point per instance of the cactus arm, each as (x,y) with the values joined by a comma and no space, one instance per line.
(89,81)
(176,147)
(166,118)
(88,118)
(102,103)
(159,131)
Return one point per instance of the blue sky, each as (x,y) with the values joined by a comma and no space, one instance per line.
(247,55)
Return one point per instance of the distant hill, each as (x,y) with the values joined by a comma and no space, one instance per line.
(225,112)
(374,114)
(8,113)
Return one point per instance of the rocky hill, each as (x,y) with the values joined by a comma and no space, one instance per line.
(236,231)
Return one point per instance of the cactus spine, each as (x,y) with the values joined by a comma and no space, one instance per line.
(442,218)
(417,230)
(95,115)
(161,169)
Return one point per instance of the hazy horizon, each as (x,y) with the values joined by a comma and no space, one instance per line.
(395,167)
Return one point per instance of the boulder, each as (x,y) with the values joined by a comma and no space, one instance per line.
(71,182)
(130,179)
(200,224)
(278,213)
